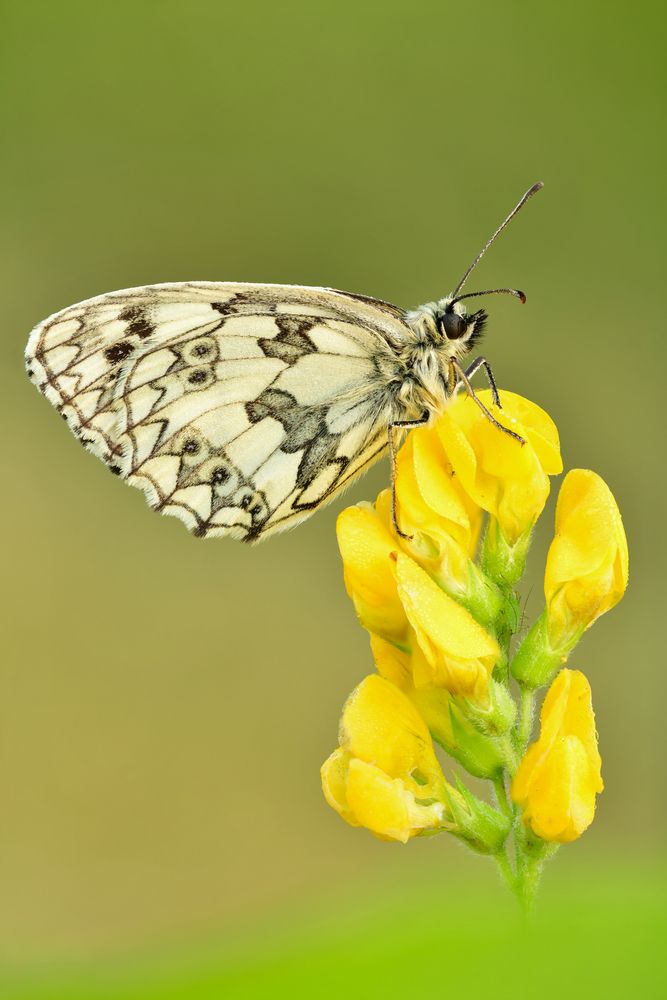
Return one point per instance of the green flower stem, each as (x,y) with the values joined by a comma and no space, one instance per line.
(525,724)
(528,883)
(509,754)
(501,795)
(505,869)
(531,855)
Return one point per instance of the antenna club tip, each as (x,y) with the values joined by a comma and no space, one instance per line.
(536,187)
(522,297)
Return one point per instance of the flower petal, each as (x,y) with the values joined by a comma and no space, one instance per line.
(457,652)
(381,725)
(508,480)
(366,546)
(384,806)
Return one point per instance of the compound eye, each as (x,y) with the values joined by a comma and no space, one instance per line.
(455,326)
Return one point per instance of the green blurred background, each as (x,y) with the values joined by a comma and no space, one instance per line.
(166,703)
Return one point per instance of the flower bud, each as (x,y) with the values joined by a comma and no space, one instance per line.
(587,565)
(559,777)
(482,827)
(497,715)
(586,575)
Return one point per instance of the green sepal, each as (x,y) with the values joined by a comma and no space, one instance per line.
(483,598)
(482,827)
(478,754)
(502,562)
(536,661)
(498,716)
(480,595)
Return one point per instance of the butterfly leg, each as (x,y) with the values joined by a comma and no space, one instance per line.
(475,367)
(400,425)
(463,377)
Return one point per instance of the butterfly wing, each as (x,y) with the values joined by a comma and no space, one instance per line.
(238,408)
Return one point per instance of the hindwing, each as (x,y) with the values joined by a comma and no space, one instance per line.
(239,408)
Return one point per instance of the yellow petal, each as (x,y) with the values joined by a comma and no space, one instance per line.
(432,703)
(458,651)
(366,546)
(538,427)
(392,663)
(334,774)
(508,480)
(381,725)
(441,493)
(383,804)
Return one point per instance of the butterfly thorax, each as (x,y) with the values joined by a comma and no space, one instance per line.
(427,358)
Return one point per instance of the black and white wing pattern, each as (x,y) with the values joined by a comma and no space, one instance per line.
(239,408)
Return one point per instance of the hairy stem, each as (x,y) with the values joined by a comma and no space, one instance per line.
(501,795)
(525,724)
(509,753)
(505,869)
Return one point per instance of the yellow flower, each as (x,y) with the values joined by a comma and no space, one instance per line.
(503,477)
(587,565)
(445,720)
(559,777)
(385,775)
(366,544)
(452,650)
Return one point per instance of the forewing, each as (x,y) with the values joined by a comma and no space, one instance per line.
(238,408)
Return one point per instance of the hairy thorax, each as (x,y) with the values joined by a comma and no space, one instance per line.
(425,363)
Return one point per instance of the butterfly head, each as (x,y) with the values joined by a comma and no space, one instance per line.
(454,323)
(447,324)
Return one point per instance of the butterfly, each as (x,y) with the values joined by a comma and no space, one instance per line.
(242,408)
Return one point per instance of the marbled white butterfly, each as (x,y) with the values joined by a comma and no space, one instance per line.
(242,408)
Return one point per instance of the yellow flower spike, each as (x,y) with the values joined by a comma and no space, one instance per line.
(456,652)
(559,777)
(385,775)
(442,618)
(587,564)
(365,545)
(505,478)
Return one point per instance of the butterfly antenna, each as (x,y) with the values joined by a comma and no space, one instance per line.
(529,194)
(491,291)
